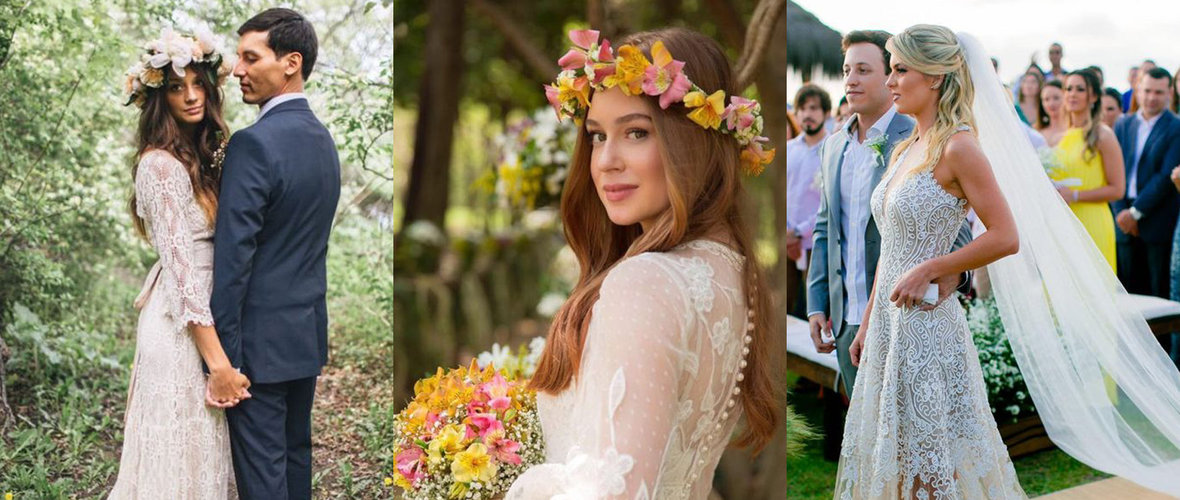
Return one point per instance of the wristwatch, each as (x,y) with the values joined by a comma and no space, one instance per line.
(1136,214)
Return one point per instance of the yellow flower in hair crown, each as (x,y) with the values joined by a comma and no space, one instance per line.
(589,64)
(179,50)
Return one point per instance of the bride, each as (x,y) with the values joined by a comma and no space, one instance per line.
(176,443)
(662,346)
(919,424)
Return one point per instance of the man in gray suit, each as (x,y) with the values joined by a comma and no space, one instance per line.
(846,241)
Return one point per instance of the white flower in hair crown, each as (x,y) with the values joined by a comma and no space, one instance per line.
(178,49)
(591,65)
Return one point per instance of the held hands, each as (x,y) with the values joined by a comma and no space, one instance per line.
(1127,223)
(794,245)
(226,388)
(1176,177)
(819,322)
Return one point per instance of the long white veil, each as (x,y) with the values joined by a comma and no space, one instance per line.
(1106,392)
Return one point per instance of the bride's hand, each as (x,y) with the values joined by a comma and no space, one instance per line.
(911,287)
(858,345)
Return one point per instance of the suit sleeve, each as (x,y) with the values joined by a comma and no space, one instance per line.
(964,237)
(245,193)
(817,269)
(1160,188)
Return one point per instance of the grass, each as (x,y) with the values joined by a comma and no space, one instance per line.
(810,477)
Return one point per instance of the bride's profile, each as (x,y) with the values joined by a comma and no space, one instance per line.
(662,346)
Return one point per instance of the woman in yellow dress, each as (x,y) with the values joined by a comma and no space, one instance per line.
(1090,172)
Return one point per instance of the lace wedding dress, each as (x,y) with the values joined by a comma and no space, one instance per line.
(656,399)
(919,413)
(174,446)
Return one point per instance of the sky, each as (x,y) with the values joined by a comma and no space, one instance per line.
(1092,32)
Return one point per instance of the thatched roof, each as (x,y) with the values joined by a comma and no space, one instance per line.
(811,43)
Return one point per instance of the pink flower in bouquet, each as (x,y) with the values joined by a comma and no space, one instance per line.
(409,463)
(486,423)
(504,450)
(496,392)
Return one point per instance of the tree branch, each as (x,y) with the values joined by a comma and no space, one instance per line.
(766,15)
(540,63)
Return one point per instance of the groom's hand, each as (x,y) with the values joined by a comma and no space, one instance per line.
(819,322)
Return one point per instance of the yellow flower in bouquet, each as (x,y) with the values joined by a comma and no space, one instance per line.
(468,432)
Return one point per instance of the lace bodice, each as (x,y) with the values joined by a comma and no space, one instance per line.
(179,231)
(918,221)
(656,400)
(919,424)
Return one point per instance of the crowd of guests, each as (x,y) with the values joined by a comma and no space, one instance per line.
(1113,155)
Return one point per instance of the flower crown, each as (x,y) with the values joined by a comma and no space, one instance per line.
(590,65)
(178,49)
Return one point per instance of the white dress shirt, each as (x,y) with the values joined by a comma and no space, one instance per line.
(856,187)
(802,190)
(1145,127)
(277,100)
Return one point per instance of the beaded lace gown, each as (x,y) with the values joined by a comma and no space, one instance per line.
(656,398)
(174,446)
(919,424)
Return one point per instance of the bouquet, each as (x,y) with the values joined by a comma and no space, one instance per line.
(468,433)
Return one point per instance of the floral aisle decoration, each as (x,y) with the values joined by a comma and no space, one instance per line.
(1006,391)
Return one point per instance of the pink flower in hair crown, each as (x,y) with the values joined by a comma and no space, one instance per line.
(591,64)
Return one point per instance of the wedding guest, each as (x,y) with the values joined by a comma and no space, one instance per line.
(1098,72)
(1146,215)
(1055,71)
(1112,106)
(1053,123)
(812,105)
(1132,80)
(1144,67)
(1090,171)
(843,112)
(1029,96)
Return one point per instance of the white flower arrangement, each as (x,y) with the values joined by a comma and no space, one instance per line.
(1006,390)
(179,50)
(515,365)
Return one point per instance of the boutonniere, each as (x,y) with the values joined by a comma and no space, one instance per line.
(878,145)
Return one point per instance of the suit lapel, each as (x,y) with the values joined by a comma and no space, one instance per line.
(1153,140)
(834,167)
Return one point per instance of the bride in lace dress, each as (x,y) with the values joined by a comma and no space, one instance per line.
(919,425)
(176,443)
(662,347)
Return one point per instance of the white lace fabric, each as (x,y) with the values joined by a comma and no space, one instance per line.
(173,446)
(919,413)
(656,400)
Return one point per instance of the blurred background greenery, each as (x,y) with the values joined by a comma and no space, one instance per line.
(70,264)
(475,263)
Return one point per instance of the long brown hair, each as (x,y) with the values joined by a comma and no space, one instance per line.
(159,130)
(1095,121)
(705,193)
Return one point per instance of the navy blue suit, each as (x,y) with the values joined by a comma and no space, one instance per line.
(279,189)
(1143,261)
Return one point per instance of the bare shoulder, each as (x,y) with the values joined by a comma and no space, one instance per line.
(1106,135)
(963,151)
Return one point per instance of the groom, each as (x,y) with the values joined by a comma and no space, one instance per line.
(846,240)
(279,189)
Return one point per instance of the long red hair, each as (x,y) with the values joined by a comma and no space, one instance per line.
(705,192)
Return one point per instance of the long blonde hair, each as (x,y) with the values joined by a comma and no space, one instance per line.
(935,50)
(705,192)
